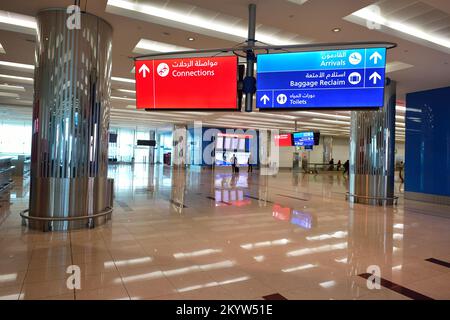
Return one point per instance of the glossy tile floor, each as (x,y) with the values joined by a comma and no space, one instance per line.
(200,234)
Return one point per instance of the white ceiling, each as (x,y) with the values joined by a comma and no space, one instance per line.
(414,64)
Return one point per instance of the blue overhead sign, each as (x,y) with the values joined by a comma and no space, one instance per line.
(321,79)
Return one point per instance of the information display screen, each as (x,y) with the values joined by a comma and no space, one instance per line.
(340,79)
(187,83)
(301,139)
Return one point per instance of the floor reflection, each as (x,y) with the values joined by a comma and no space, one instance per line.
(203,234)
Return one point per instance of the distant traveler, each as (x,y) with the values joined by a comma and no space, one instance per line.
(249,163)
(339,165)
(400,171)
(346,167)
(331,163)
(233,163)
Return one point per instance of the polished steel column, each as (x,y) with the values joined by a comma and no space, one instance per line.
(372,156)
(151,150)
(70,121)
(327,149)
(179,145)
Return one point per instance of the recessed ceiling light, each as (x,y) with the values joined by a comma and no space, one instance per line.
(195,22)
(16,65)
(126,90)
(146,46)
(336,30)
(368,14)
(7,76)
(12,88)
(17,22)
(191,39)
(120,98)
(1,49)
(123,80)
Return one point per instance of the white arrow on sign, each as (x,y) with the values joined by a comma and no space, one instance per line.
(375,77)
(264,99)
(375,56)
(144,69)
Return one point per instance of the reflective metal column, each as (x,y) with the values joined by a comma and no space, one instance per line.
(179,145)
(70,121)
(151,150)
(327,149)
(372,156)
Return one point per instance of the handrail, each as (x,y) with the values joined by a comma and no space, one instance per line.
(394,198)
(108,210)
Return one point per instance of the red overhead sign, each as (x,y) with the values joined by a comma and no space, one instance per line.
(187,83)
(283,140)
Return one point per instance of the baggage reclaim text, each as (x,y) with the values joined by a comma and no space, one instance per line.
(315,84)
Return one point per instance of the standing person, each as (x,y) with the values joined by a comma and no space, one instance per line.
(339,165)
(249,163)
(346,167)
(233,163)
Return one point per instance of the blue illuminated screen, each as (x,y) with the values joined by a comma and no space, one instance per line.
(301,139)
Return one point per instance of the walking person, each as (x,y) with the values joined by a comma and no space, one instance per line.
(400,171)
(346,167)
(249,163)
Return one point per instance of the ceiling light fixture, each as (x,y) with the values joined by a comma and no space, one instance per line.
(368,14)
(146,46)
(1,49)
(192,21)
(121,98)
(191,39)
(12,88)
(9,95)
(7,76)
(127,91)
(17,22)
(336,30)
(123,80)
(15,65)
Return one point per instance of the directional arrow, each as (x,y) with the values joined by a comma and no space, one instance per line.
(264,99)
(144,69)
(375,77)
(375,56)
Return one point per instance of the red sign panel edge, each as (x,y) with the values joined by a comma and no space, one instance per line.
(235,109)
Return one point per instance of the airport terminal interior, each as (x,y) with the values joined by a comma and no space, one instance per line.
(225,150)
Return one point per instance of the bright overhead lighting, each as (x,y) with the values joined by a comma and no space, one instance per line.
(127,91)
(190,21)
(123,80)
(191,39)
(14,65)
(17,22)
(1,49)
(336,30)
(321,114)
(330,121)
(368,14)
(299,2)
(8,95)
(123,98)
(7,76)
(400,108)
(12,88)
(146,46)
